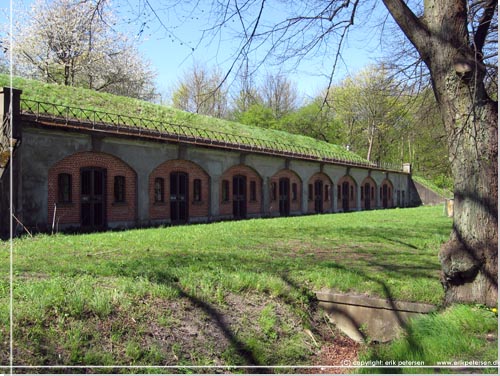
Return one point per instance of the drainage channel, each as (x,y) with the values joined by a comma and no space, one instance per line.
(365,318)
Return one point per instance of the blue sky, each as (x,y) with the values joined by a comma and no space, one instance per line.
(171,51)
(173,48)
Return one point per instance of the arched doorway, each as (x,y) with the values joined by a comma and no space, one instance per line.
(386,194)
(368,194)
(284,193)
(92,191)
(319,193)
(178,192)
(346,193)
(240,193)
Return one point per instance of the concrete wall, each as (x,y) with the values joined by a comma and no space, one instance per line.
(42,148)
(427,196)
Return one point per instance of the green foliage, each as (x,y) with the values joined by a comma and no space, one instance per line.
(267,321)
(315,121)
(258,115)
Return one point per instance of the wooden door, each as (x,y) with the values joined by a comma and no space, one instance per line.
(367,195)
(385,196)
(318,196)
(93,198)
(284,196)
(239,196)
(345,196)
(179,198)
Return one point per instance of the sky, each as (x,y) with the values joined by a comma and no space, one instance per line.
(173,43)
(170,49)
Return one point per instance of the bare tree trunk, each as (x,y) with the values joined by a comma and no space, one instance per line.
(371,136)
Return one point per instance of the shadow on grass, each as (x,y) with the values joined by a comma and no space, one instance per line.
(243,351)
(159,269)
(307,302)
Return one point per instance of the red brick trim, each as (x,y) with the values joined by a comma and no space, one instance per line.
(295,205)
(69,213)
(327,182)
(161,211)
(353,192)
(253,207)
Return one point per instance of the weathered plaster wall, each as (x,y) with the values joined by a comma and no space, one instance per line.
(42,148)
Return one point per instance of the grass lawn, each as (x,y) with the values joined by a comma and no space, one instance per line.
(229,293)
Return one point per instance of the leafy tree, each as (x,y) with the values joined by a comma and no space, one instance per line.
(316,121)
(71,42)
(372,111)
(258,115)
(425,143)
(247,93)
(267,105)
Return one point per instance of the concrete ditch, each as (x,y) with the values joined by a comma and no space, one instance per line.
(365,318)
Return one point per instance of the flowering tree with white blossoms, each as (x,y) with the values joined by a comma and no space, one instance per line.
(73,43)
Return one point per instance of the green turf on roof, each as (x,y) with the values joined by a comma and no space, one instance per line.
(97,101)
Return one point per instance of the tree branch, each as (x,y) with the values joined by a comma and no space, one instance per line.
(484,25)
(410,24)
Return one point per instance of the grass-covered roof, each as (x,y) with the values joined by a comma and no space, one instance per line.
(163,115)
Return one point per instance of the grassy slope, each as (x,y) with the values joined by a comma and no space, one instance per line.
(243,289)
(87,99)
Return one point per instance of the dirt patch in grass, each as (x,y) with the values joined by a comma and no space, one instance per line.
(341,351)
(336,350)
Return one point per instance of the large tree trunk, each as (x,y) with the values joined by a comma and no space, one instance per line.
(469,259)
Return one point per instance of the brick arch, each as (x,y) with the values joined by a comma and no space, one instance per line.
(346,184)
(368,194)
(68,213)
(386,194)
(196,208)
(253,181)
(319,201)
(295,201)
